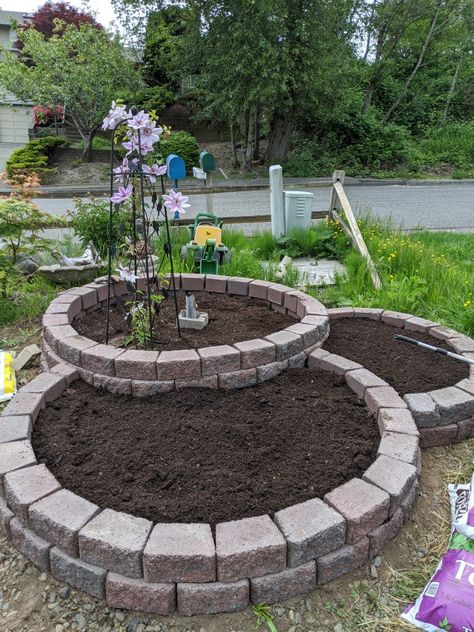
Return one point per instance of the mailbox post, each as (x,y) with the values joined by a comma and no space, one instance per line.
(176,170)
(207,163)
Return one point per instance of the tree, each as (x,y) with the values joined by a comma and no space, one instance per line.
(81,68)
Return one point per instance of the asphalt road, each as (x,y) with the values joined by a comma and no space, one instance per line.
(432,206)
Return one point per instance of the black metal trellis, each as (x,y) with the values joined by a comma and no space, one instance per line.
(139,214)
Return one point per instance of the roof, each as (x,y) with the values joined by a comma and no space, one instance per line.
(7,16)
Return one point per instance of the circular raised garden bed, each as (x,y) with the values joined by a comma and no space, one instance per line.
(232,364)
(438,391)
(189,566)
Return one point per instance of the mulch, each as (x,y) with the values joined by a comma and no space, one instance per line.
(407,368)
(201,455)
(231,319)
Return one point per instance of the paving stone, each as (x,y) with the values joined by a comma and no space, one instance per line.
(388,531)
(337,313)
(420,324)
(212,598)
(249,548)
(360,379)
(32,546)
(59,517)
(453,403)
(393,476)
(462,344)
(238,285)
(53,334)
(218,359)
(180,553)
(14,456)
(48,384)
(15,428)
(114,385)
(86,577)
(53,320)
(399,446)
(88,295)
(259,289)
(150,389)
(86,376)
(210,381)
(238,379)
(368,312)
(337,364)
(397,319)
(70,348)
(136,364)
(308,306)
(269,371)
(255,352)
(343,560)
(68,372)
(465,429)
(216,283)
(100,359)
(192,282)
(397,420)
(290,301)
(281,586)
(178,364)
(311,529)
(297,361)
(276,293)
(382,397)
(135,594)
(438,436)
(423,408)
(115,540)
(363,506)
(311,334)
(6,514)
(443,333)
(466,385)
(27,485)
(315,357)
(409,502)
(24,403)
(287,344)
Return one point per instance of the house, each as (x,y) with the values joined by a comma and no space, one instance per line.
(15,115)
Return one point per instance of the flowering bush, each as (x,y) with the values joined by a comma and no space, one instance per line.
(45,116)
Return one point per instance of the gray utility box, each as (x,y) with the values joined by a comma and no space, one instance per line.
(298,209)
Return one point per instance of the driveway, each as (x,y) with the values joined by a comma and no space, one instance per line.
(6,150)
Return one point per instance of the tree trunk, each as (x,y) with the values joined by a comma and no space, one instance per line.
(281,137)
(248,140)
(87,151)
(234,146)
(452,89)
(256,150)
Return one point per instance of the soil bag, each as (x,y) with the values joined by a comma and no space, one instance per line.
(447,602)
(7,377)
(465,523)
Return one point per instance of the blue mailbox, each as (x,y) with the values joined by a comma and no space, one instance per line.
(176,167)
(207,162)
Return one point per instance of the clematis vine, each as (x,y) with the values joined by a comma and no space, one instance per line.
(122,194)
(175,201)
(126,274)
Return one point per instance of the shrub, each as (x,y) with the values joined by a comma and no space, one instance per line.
(154,98)
(35,156)
(183,144)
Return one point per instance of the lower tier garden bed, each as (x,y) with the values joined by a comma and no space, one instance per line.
(200,455)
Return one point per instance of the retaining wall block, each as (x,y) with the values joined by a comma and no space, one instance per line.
(88,295)
(24,403)
(311,334)
(114,385)
(423,408)
(315,357)
(218,359)
(284,585)
(70,348)
(49,384)
(216,283)
(409,502)
(297,361)
(443,333)
(32,546)
(150,389)
(276,293)
(27,485)
(259,289)
(337,364)
(14,456)
(238,285)
(174,364)
(287,344)
(420,324)
(15,428)
(363,506)
(311,529)
(53,334)
(465,429)
(58,518)
(388,531)
(438,436)
(210,381)
(309,306)
(341,312)
(238,379)
(396,319)
(361,379)
(68,372)
(136,364)
(255,352)
(398,446)
(136,594)
(249,548)
(453,403)
(269,371)
(100,359)
(290,301)
(87,376)
(72,300)
(368,312)
(462,344)
(382,397)
(53,320)
(213,598)
(86,577)
(466,385)
(115,541)
(342,560)
(6,515)
(393,476)
(102,290)
(180,553)
(397,420)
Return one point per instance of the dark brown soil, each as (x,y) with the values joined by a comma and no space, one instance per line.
(208,455)
(231,319)
(408,368)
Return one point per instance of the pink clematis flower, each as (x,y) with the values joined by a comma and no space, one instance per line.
(123,170)
(115,115)
(176,201)
(153,172)
(122,194)
(126,274)
(139,121)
